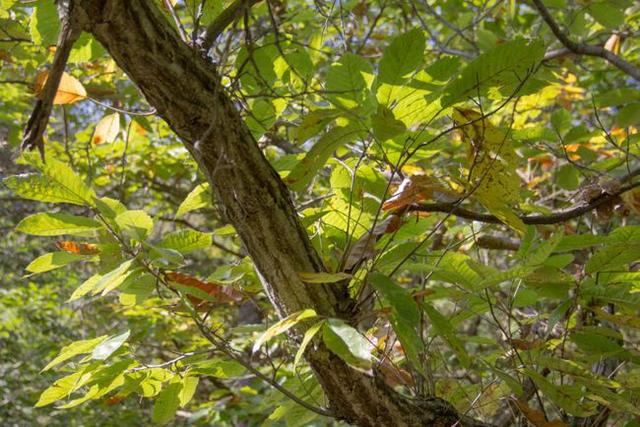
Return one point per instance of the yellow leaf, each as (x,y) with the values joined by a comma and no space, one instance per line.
(107,129)
(69,90)
(492,163)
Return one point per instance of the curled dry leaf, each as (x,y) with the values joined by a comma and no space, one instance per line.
(69,91)
(613,43)
(220,293)
(77,248)
(418,188)
(364,248)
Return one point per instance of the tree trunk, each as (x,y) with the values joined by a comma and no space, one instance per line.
(186,91)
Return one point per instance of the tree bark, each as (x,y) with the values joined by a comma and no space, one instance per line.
(186,91)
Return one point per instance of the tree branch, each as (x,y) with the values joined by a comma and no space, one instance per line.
(222,21)
(583,48)
(69,33)
(554,218)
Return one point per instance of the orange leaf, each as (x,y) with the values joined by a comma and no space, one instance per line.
(222,293)
(69,90)
(78,248)
(114,400)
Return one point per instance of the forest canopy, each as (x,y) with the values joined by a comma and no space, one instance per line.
(326,213)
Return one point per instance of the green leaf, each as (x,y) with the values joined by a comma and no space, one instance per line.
(613,257)
(199,197)
(308,336)
(578,241)
(51,261)
(347,343)
(44,24)
(443,328)
(86,287)
(108,207)
(568,398)
(403,55)
(187,240)
(323,277)
(283,326)
(138,223)
(405,315)
(110,345)
(502,67)
(189,386)
(57,224)
(63,388)
(400,300)
(306,169)
(219,368)
(385,125)
(56,184)
(606,14)
(167,403)
(346,82)
(74,349)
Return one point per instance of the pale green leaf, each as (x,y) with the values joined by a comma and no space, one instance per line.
(323,277)
(110,345)
(347,343)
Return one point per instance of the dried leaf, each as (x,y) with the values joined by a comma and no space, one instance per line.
(418,188)
(613,43)
(69,90)
(77,248)
(107,129)
(632,200)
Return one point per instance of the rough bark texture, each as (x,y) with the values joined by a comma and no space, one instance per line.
(185,90)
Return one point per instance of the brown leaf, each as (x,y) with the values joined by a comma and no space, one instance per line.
(78,248)
(526,345)
(536,417)
(69,91)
